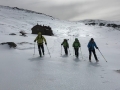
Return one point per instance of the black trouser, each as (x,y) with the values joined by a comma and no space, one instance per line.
(66,50)
(90,53)
(76,51)
(40,46)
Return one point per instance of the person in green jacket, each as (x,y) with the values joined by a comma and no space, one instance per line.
(66,46)
(40,40)
(76,45)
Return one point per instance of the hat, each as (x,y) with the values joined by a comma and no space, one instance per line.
(39,33)
(65,39)
(76,38)
(92,39)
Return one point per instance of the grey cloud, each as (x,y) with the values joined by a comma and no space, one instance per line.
(66,11)
(106,10)
(98,9)
(87,9)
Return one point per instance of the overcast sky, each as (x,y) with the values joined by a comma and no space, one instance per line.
(73,10)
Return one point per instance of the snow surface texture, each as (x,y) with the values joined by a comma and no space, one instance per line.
(21,70)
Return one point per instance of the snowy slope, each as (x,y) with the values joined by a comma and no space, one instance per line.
(20,70)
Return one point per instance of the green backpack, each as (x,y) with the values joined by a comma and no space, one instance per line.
(65,44)
(76,44)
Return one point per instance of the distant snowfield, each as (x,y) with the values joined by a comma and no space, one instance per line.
(21,70)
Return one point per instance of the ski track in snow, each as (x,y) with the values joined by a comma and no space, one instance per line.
(20,69)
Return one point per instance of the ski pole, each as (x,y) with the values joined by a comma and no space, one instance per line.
(61,50)
(34,48)
(48,51)
(73,51)
(102,55)
(81,53)
(69,51)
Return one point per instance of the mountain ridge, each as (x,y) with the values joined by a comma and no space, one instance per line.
(29,11)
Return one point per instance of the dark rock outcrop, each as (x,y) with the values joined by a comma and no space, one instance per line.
(45,30)
(12,34)
(11,44)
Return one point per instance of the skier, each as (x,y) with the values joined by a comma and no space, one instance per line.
(76,45)
(91,49)
(40,39)
(66,46)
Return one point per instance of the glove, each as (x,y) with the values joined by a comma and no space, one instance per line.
(34,40)
(45,43)
(97,48)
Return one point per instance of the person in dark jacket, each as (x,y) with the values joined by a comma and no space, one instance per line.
(66,46)
(76,45)
(91,49)
(40,40)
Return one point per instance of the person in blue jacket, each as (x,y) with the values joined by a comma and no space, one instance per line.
(91,49)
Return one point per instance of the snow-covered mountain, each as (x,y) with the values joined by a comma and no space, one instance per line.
(21,70)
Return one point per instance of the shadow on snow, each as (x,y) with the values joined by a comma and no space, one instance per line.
(36,58)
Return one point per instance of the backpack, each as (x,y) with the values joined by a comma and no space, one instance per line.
(40,37)
(76,44)
(65,44)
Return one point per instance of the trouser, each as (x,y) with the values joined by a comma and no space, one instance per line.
(94,53)
(76,51)
(41,47)
(66,50)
